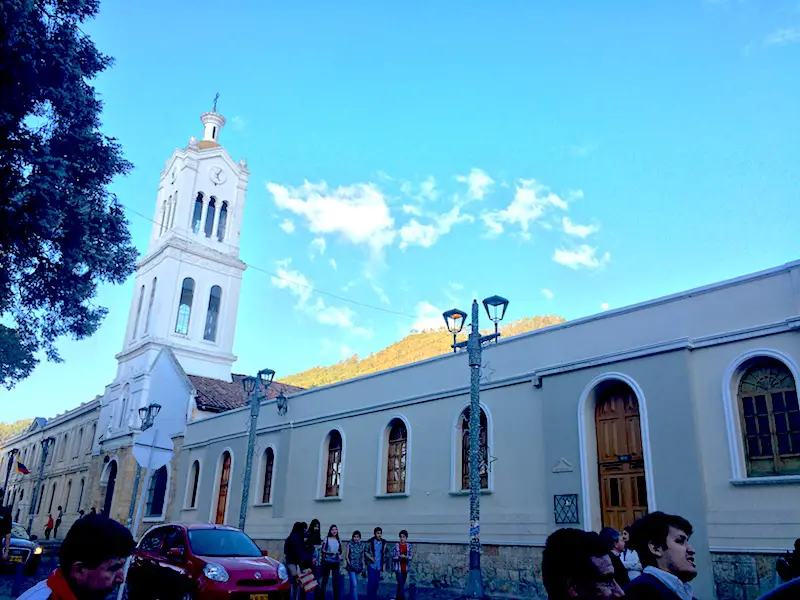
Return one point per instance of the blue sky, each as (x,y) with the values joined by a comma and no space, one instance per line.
(569,156)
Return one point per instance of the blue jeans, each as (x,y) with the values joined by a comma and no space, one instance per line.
(373,581)
(401,585)
(353,584)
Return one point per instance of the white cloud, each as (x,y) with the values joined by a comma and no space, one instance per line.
(547,294)
(332,263)
(359,213)
(604,306)
(580,231)
(238,123)
(415,233)
(582,150)
(453,292)
(287,226)
(455,286)
(378,289)
(427,317)
(317,247)
(345,351)
(582,256)
(786,35)
(478,182)
(299,286)
(532,201)
(427,189)
(411,209)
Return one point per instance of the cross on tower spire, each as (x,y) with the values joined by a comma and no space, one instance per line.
(216,98)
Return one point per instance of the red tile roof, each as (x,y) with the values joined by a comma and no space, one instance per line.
(216,395)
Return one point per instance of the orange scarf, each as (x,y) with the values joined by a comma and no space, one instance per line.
(59,586)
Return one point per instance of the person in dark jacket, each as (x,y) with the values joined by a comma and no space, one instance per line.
(613,541)
(662,542)
(294,554)
(576,564)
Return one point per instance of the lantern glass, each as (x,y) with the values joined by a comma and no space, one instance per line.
(495,308)
(249,384)
(155,408)
(455,320)
(143,413)
(265,376)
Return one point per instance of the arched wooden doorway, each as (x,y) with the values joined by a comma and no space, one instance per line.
(222,495)
(623,485)
(111,482)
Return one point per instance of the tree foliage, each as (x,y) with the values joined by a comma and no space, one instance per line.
(61,231)
(412,348)
(9,430)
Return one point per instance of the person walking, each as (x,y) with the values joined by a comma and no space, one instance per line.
(356,551)
(293,551)
(401,562)
(48,527)
(377,553)
(662,542)
(629,557)
(58,522)
(313,544)
(91,562)
(331,555)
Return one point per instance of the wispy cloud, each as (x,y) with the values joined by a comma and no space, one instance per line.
(547,294)
(580,231)
(316,247)
(332,263)
(781,37)
(583,256)
(358,213)
(238,123)
(416,234)
(287,226)
(582,150)
(428,316)
(532,201)
(478,183)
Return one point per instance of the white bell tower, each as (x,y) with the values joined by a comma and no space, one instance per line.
(187,285)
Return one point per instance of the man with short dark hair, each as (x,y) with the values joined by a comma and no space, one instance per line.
(576,564)
(613,541)
(662,542)
(377,558)
(91,562)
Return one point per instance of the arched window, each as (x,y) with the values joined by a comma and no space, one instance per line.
(156,492)
(194,479)
(209,228)
(223,221)
(171,220)
(66,499)
(77,444)
(138,314)
(62,450)
(197,215)
(770,419)
(163,220)
(212,316)
(41,499)
(150,306)
(483,447)
(52,498)
(397,457)
(333,474)
(269,465)
(80,496)
(222,494)
(123,412)
(91,439)
(185,306)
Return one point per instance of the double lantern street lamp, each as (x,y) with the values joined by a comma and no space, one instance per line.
(256,389)
(495,309)
(147,415)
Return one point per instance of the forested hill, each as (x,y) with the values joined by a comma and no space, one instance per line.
(412,348)
(8,430)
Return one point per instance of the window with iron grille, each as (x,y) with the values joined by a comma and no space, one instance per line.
(334,471)
(483,449)
(770,419)
(397,455)
(269,464)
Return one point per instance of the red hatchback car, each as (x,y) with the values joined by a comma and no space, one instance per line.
(203,562)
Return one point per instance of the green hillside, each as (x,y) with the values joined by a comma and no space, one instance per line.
(8,430)
(412,348)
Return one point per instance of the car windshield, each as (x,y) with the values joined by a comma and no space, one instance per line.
(222,542)
(18,531)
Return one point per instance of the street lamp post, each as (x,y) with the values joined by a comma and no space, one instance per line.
(11,455)
(455,322)
(47,443)
(262,381)
(147,414)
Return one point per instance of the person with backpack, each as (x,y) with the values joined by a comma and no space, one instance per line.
(331,558)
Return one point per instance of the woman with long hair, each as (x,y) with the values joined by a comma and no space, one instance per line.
(331,554)
(293,552)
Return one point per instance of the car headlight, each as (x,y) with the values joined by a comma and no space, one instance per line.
(38,550)
(215,572)
(282,572)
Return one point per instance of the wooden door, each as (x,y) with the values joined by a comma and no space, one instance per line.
(623,487)
(112,482)
(224,481)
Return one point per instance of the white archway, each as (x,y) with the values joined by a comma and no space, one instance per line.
(587,440)
(212,513)
(323,463)
(730,399)
(383,448)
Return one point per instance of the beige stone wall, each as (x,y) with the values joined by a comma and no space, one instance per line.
(743,576)
(174,492)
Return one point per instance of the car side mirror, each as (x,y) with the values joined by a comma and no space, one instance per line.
(175,553)
(265,553)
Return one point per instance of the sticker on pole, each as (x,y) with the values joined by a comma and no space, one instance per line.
(153,445)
